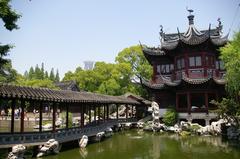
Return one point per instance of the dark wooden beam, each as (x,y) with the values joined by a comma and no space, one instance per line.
(22,115)
(107,111)
(117,111)
(40,116)
(54,117)
(13,104)
(89,113)
(206,101)
(67,115)
(82,115)
(95,113)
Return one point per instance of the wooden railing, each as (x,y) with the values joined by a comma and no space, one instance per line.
(61,135)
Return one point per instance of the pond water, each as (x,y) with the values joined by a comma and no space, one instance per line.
(145,145)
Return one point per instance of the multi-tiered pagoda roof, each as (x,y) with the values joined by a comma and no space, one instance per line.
(170,44)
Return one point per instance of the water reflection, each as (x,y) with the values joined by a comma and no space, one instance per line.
(83,152)
(144,145)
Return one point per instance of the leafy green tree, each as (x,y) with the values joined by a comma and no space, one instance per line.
(230,54)
(9,18)
(10,76)
(229,108)
(170,117)
(139,67)
(135,58)
(46,83)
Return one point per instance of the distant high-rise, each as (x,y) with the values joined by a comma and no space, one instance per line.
(88,65)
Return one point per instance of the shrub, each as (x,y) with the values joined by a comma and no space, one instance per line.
(170,117)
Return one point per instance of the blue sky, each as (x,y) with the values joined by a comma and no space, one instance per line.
(64,33)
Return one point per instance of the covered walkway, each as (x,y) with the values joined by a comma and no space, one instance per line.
(34,115)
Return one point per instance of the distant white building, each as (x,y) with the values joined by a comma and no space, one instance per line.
(88,65)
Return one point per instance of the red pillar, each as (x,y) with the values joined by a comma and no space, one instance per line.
(89,111)
(40,116)
(22,116)
(13,103)
(206,101)
(99,114)
(82,115)
(95,113)
(67,116)
(107,112)
(189,102)
(54,117)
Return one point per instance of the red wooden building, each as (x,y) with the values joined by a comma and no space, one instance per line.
(187,71)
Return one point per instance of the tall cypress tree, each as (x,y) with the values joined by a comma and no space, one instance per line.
(46,75)
(42,71)
(57,78)
(37,74)
(31,73)
(52,75)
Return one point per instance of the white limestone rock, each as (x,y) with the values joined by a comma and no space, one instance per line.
(83,142)
(17,152)
(50,147)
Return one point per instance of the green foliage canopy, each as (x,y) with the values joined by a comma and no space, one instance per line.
(170,117)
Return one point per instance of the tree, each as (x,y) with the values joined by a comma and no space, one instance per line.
(135,58)
(52,75)
(9,18)
(139,67)
(31,73)
(10,74)
(229,108)
(57,78)
(232,65)
(46,75)
(170,117)
(37,73)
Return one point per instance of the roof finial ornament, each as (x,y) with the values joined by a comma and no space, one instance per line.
(190,17)
(161,31)
(219,27)
(189,10)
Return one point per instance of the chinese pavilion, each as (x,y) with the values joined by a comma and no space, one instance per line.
(187,71)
